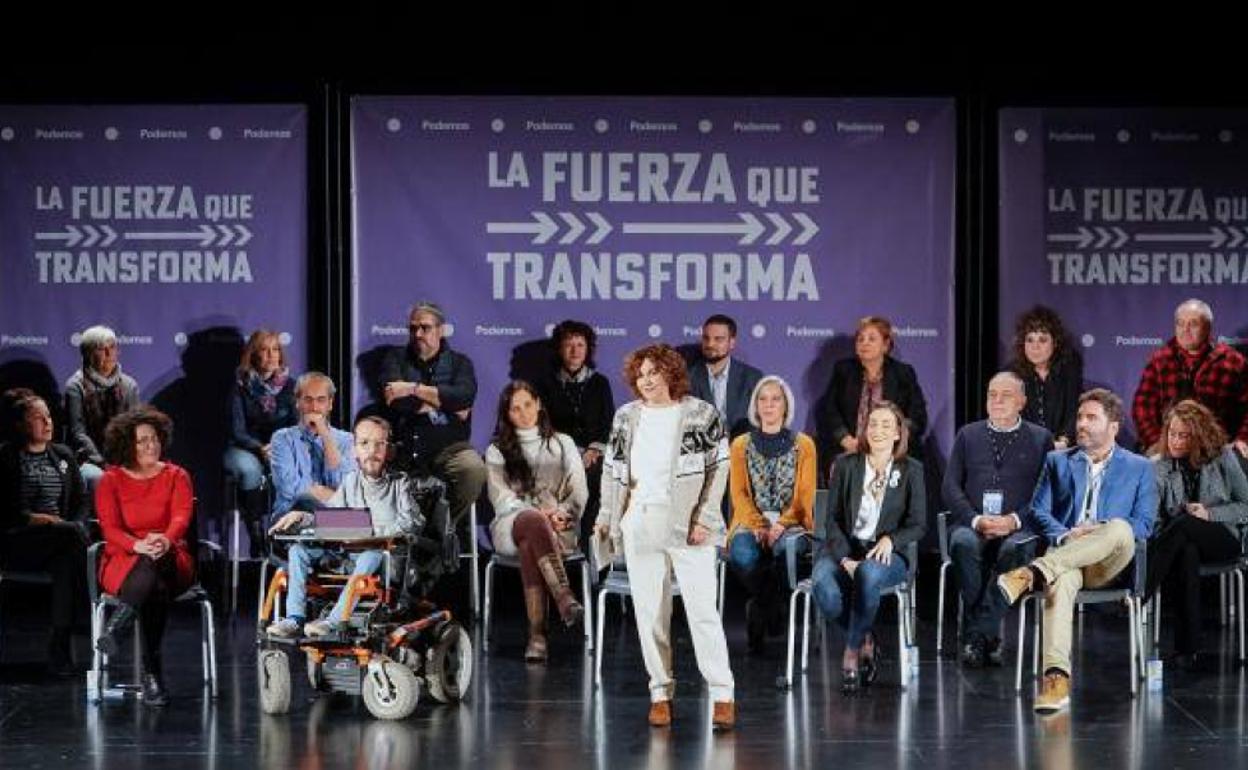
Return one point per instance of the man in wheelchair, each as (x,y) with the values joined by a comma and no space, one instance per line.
(393,501)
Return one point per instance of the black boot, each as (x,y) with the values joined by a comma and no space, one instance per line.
(153,683)
(116,627)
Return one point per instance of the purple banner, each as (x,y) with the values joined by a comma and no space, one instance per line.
(1114,217)
(643,216)
(181,227)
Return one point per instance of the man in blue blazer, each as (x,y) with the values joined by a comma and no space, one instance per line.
(722,380)
(1092,503)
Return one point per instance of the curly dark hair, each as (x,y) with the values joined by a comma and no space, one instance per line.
(1208,438)
(121,434)
(517,469)
(573,328)
(1040,319)
(669,363)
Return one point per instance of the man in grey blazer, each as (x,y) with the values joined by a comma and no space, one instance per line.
(722,380)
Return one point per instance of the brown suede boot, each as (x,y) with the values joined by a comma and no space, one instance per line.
(535,608)
(556,577)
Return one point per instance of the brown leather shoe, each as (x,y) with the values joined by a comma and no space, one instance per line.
(535,608)
(660,713)
(1015,583)
(724,715)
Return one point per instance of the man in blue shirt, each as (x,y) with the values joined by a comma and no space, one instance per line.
(1092,503)
(309,459)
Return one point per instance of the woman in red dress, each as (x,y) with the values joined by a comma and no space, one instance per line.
(144,505)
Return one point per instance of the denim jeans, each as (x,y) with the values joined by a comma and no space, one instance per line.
(300,563)
(853,601)
(978,560)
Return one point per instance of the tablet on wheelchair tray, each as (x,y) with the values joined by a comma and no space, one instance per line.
(335,523)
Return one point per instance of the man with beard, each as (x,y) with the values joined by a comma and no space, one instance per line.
(720,379)
(1093,502)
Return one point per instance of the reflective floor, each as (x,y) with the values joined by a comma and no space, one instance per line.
(550,717)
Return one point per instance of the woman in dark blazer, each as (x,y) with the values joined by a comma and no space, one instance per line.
(876,508)
(41,509)
(861,382)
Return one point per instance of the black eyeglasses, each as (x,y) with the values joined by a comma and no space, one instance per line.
(421,328)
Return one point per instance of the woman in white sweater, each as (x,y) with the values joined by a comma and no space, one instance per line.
(537,487)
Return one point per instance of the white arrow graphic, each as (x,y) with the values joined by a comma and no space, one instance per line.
(1216,237)
(575,228)
(602,225)
(809,229)
(72,236)
(205,235)
(110,235)
(93,235)
(244,235)
(1080,239)
(783,228)
(542,230)
(749,228)
(1237,237)
(227,235)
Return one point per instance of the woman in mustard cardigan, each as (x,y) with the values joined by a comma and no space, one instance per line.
(772,481)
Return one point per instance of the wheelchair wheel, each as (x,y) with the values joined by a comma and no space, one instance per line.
(391,690)
(449,669)
(273,668)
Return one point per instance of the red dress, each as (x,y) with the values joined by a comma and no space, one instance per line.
(130,508)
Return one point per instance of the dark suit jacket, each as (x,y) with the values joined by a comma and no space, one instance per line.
(71,506)
(741,381)
(901,386)
(903,513)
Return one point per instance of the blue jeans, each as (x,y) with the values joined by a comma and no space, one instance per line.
(856,615)
(760,568)
(245,467)
(978,561)
(300,564)
(91,475)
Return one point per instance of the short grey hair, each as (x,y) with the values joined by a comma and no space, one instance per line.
(307,378)
(95,337)
(1200,307)
(1014,379)
(432,308)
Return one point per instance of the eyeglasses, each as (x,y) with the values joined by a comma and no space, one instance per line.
(146,440)
(370,444)
(421,328)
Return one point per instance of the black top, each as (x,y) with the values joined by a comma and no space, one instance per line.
(903,511)
(1054,401)
(251,427)
(583,410)
(901,386)
(70,505)
(423,436)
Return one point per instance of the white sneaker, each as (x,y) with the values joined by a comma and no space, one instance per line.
(285,628)
(320,628)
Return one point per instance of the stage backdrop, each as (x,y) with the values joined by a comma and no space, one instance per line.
(181,227)
(643,216)
(1114,217)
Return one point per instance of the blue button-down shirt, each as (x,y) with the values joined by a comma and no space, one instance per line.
(298,462)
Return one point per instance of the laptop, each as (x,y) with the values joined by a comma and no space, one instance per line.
(343,523)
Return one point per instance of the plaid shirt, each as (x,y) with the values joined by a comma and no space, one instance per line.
(1220,382)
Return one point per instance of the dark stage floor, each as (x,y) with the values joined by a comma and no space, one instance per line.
(550,717)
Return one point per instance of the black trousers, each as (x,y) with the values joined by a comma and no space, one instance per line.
(60,550)
(1174,559)
(150,587)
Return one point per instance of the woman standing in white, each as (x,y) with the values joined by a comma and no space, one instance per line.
(662,485)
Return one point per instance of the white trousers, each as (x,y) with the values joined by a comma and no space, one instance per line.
(651,561)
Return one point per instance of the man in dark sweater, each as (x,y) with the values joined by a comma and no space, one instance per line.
(429,390)
(990,478)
